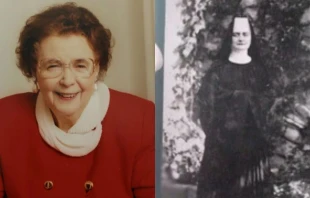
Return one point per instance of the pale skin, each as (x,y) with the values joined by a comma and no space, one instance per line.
(66,48)
(241,41)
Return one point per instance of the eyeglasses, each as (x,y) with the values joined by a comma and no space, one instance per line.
(53,68)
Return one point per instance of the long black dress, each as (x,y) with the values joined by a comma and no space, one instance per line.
(235,161)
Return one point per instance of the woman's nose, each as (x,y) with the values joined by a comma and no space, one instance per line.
(68,77)
(240,38)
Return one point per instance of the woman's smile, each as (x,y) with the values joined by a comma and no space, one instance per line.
(67,96)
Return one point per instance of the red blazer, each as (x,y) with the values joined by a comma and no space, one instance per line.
(122,166)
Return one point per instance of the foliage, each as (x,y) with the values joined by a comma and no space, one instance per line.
(279,28)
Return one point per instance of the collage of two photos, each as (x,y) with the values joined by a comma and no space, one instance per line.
(155,98)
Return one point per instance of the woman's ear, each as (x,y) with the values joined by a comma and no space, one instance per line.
(97,71)
(36,87)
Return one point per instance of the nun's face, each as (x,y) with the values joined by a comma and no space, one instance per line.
(241,35)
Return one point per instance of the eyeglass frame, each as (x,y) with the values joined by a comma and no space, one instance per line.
(68,65)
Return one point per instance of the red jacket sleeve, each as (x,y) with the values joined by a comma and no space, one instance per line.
(143,180)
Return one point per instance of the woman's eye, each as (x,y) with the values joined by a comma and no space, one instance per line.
(52,66)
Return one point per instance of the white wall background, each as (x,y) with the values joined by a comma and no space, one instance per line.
(131,23)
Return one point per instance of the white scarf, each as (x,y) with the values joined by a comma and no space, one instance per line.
(81,139)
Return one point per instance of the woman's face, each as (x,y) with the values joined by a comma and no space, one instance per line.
(67,94)
(241,35)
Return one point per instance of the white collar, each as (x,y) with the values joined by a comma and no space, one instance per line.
(81,139)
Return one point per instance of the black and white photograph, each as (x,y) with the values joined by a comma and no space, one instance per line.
(236,106)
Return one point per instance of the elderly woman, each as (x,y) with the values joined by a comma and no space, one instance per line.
(74,137)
